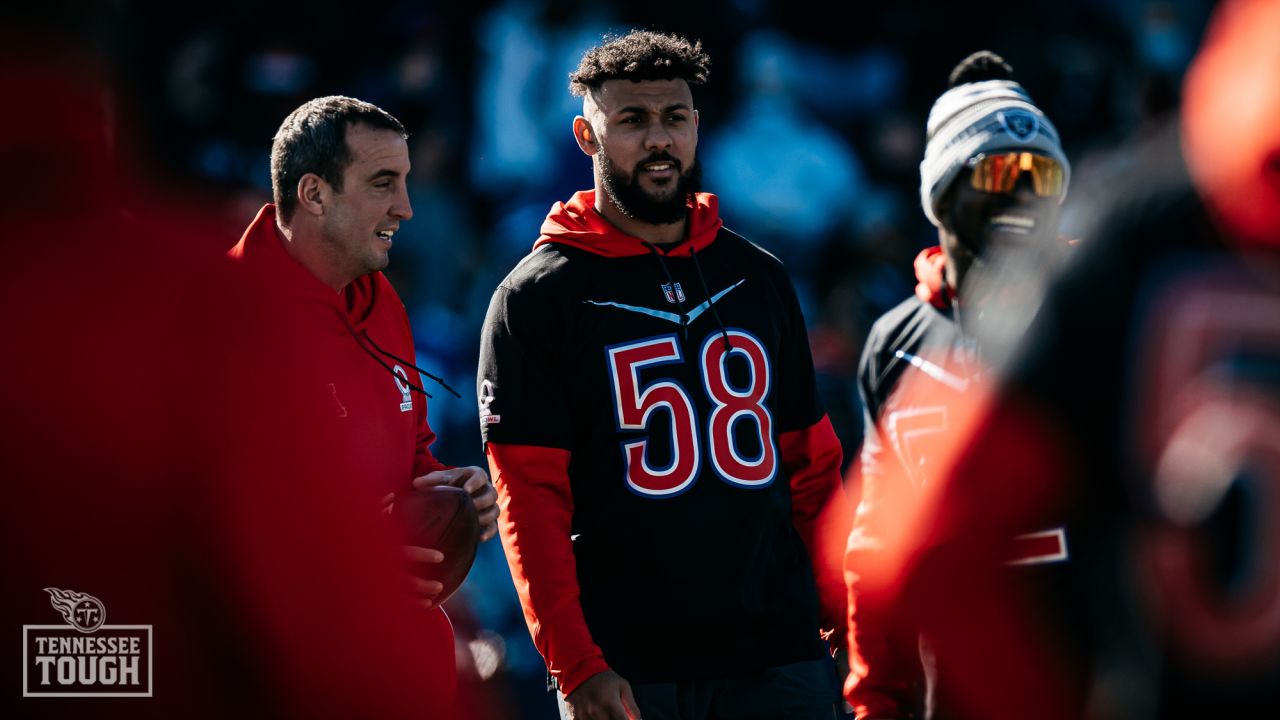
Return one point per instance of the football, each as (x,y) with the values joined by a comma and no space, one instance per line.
(445,519)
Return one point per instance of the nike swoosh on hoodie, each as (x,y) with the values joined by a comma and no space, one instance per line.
(668,316)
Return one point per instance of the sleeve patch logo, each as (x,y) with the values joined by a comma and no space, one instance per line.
(487,417)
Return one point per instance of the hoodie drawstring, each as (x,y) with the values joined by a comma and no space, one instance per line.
(724,332)
(684,318)
(362,338)
(438,380)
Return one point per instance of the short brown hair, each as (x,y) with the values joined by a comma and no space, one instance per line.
(313,139)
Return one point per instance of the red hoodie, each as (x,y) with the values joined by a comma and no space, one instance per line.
(360,336)
(355,339)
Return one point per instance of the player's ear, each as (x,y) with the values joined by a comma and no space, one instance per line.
(311,194)
(585,135)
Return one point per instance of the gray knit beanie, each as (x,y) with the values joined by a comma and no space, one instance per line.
(977,118)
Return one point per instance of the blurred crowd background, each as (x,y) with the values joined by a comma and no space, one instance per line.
(812,128)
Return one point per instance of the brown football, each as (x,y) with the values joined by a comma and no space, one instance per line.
(442,518)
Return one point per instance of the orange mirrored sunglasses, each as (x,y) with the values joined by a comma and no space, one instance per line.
(999,173)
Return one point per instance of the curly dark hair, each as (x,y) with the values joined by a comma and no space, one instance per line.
(641,55)
(313,139)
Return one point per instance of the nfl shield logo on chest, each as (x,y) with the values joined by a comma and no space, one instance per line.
(673,292)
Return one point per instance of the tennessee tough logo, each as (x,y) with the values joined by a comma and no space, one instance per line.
(85,657)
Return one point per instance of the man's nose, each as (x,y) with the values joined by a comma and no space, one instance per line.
(658,137)
(401,208)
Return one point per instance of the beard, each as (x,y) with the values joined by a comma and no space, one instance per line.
(634,202)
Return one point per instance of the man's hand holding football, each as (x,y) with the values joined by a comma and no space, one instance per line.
(475,481)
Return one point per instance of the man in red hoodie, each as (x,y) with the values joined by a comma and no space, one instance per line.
(338,171)
(166,451)
(668,478)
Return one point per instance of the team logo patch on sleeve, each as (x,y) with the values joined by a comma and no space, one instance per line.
(487,417)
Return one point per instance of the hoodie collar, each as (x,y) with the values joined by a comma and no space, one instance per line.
(262,251)
(577,224)
(931,280)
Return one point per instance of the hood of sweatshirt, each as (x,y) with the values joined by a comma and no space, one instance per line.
(262,252)
(931,282)
(577,224)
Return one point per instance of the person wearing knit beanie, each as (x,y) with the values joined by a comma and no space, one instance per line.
(985,114)
(992,181)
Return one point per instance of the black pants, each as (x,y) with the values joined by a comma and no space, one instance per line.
(801,691)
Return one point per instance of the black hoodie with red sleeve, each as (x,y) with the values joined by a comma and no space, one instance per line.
(925,386)
(666,473)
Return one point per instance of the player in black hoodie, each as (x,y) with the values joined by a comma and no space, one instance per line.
(666,472)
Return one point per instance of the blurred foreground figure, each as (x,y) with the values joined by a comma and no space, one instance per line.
(1144,405)
(164,454)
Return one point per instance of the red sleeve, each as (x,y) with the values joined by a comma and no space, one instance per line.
(423,461)
(811,458)
(884,664)
(536,510)
(934,555)
(1010,469)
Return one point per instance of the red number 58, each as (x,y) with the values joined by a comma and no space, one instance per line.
(636,404)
